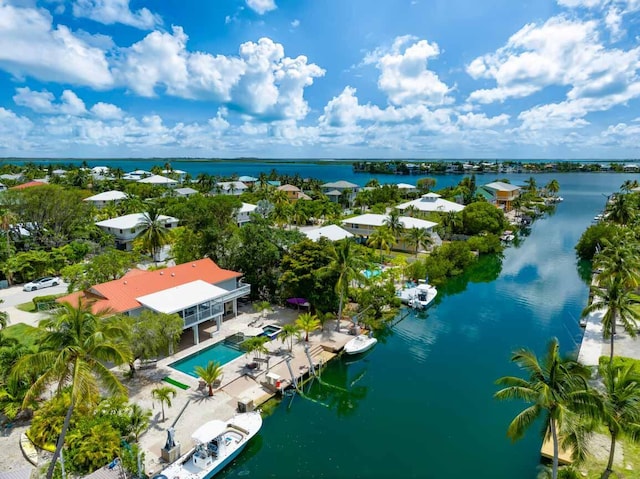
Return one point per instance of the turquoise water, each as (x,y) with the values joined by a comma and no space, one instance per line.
(420,404)
(220,353)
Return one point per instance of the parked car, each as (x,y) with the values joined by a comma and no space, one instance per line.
(40,283)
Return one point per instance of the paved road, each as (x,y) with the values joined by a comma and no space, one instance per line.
(14,296)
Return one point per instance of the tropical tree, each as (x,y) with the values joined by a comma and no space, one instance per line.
(553,187)
(288,333)
(620,400)
(210,374)
(139,420)
(629,185)
(307,323)
(555,388)
(623,210)
(418,237)
(394,223)
(164,394)
(74,345)
(262,307)
(154,235)
(382,238)
(618,259)
(347,261)
(256,345)
(619,304)
(531,184)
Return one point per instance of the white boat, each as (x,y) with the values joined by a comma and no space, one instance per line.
(217,443)
(418,297)
(360,344)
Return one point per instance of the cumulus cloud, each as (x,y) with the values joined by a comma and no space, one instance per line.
(31,46)
(261,6)
(109,12)
(481,121)
(260,81)
(563,52)
(14,130)
(404,75)
(107,111)
(44,102)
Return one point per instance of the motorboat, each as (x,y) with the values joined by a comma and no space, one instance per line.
(360,344)
(217,443)
(420,296)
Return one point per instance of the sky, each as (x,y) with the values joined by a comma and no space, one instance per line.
(512,79)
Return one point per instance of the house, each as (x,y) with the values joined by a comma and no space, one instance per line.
(99,171)
(29,184)
(244,213)
(180,174)
(12,176)
(502,194)
(127,228)
(158,180)
(431,202)
(331,232)
(248,180)
(3,187)
(136,175)
(334,190)
(293,193)
(185,192)
(363,226)
(235,188)
(103,199)
(406,188)
(199,291)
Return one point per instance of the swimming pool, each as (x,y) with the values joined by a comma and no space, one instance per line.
(371,273)
(271,331)
(221,353)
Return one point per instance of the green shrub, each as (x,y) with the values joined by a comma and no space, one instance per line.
(44,302)
(484,244)
(619,361)
(593,238)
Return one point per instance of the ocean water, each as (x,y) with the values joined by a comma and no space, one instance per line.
(420,404)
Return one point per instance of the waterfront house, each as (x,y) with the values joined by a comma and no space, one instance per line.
(363,226)
(248,180)
(502,194)
(331,232)
(406,188)
(179,174)
(198,291)
(335,190)
(235,188)
(103,199)
(126,228)
(136,175)
(243,216)
(431,202)
(99,172)
(158,180)
(293,193)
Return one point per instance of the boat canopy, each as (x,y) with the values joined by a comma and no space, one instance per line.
(209,431)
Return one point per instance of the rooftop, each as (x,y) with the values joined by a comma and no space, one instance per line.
(29,184)
(501,186)
(340,184)
(371,219)
(112,195)
(131,221)
(181,297)
(331,232)
(158,180)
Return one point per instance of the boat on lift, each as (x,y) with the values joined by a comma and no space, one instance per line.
(420,296)
(360,344)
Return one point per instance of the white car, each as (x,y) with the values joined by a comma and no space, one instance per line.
(40,283)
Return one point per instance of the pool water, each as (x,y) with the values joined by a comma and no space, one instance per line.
(271,331)
(220,353)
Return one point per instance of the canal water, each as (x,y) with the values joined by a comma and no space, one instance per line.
(420,404)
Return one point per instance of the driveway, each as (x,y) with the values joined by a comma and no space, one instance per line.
(14,296)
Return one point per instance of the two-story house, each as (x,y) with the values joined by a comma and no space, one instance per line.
(502,194)
(363,226)
(106,197)
(126,228)
(336,190)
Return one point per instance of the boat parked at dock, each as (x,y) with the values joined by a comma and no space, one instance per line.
(217,443)
(360,344)
(420,296)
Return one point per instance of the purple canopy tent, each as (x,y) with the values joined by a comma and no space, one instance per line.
(304,302)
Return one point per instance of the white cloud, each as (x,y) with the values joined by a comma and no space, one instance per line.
(260,81)
(31,46)
(261,6)
(481,121)
(563,52)
(109,12)
(295,23)
(13,130)
(581,3)
(404,75)
(107,111)
(613,21)
(44,102)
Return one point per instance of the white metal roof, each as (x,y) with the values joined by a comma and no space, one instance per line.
(237,185)
(371,219)
(131,221)
(177,172)
(331,232)
(158,180)
(247,208)
(340,184)
(432,203)
(208,431)
(185,191)
(181,297)
(112,195)
(405,186)
(501,186)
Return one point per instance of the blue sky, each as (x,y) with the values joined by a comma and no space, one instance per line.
(320,78)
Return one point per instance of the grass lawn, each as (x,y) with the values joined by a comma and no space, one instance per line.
(629,469)
(27,307)
(21,333)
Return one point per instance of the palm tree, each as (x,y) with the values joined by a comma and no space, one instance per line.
(74,345)
(556,387)
(620,400)
(629,185)
(210,374)
(288,332)
(164,394)
(619,260)
(139,420)
(154,234)
(531,184)
(382,238)
(619,304)
(347,261)
(553,187)
(255,345)
(394,223)
(307,323)
(418,237)
(623,210)
(262,307)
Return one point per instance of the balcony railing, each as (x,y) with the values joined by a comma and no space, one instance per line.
(203,314)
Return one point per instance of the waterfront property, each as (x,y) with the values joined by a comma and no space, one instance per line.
(107,197)
(158,180)
(501,194)
(431,202)
(331,232)
(234,188)
(127,228)
(336,189)
(198,291)
(363,226)
(221,353)
(293,193)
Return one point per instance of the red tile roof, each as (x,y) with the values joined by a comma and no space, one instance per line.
(120,295)
(29,184)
